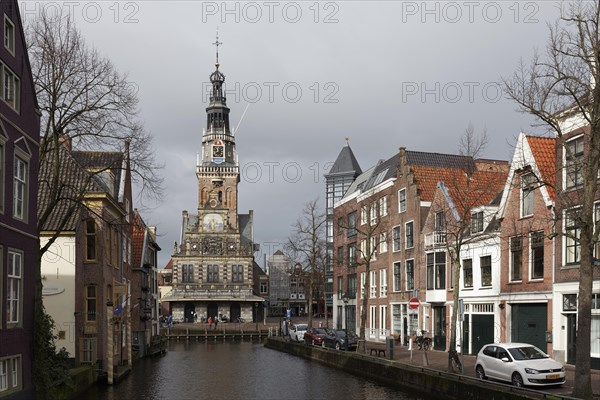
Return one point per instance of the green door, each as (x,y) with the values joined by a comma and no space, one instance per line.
(483,331)
(529,322)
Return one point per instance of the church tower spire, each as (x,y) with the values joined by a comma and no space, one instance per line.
(217,111)
(217,168)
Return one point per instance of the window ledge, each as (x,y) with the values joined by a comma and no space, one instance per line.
(524,217)
(515,282)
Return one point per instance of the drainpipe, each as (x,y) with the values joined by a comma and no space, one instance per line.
(110,351)
(129,324)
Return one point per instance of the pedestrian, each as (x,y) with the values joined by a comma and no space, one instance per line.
(195,317)
(216,321)
(209,322)
(170,321)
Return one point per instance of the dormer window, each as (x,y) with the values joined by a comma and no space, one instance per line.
(477,222)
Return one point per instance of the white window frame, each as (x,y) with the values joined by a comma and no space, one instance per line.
(373,247)
(383,245)
(396,246)
(373,285)
(481,257)
(10,87)
(9,35)
(402,200)
(382,319)
(406,236)
(383,282)
(372,320)
(527,194)
(406,274)
(14,301)
(512,244)
(532,255)
(363,279)
(20,188)
(477,222)
(363,215)
(383,208)
(569,242)
(397,276)
(579,156)
(373,213)
(3,375)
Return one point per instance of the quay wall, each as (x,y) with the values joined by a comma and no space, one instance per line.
(430,382)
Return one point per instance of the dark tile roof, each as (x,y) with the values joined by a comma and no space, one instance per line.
(73,181)
(383,171)
(101,160)
(245,225)
(345,163)
(438,160)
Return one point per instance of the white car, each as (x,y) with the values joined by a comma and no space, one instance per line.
(520,363)
(297,332)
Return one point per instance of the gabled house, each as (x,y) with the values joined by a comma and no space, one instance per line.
(572,152)
(145,312)
(19,150)
(461,220)
(86,271)
(527,240)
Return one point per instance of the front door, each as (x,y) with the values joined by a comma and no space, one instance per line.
(439,328)
(483,331)
(189,311)
(212,310)
(235,312)
(571,335)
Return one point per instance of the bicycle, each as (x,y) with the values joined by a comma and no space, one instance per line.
(423,343)
(455,362)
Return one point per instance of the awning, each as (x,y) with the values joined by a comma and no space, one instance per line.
(243,299)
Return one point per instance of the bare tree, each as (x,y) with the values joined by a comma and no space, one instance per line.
(472,184)
(306,246)
(86,102)
(556,89)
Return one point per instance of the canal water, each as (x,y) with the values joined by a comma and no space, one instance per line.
(238,370)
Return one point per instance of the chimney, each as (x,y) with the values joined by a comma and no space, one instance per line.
(66,141)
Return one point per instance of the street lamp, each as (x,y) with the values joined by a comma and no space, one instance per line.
(345,300)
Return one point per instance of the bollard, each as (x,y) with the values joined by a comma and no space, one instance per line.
(389,347)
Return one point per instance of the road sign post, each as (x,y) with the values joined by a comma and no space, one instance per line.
(414,303)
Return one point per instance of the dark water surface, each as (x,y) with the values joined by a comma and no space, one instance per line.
(238,370)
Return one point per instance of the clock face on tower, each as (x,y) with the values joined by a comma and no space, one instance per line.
(218,152)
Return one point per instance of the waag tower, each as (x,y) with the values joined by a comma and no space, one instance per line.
(214,272)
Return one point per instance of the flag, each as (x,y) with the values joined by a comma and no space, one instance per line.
(120,307)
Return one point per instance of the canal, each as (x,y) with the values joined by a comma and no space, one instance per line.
(238,370)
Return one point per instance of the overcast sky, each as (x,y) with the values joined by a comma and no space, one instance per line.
(385,74)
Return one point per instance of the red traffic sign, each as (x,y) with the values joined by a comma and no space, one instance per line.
(414,303)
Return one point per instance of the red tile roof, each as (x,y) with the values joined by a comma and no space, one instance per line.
(544,152)
(139,229)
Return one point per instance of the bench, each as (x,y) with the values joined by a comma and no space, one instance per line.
(377,350)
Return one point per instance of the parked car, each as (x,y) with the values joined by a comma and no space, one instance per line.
(336,338)
(314,336)
(297,332)
(520,363)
